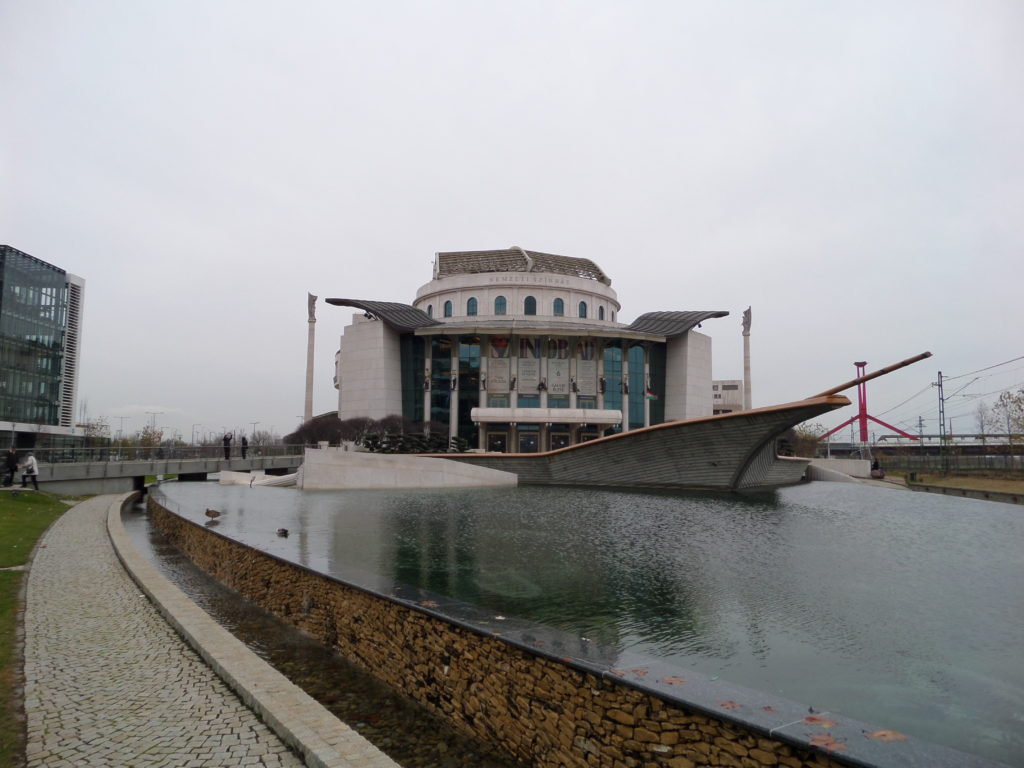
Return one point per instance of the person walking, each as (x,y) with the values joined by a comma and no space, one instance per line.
(227,444)
(30,469)
(245,446)
(11,465)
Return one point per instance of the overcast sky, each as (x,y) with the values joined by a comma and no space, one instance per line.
(853,171)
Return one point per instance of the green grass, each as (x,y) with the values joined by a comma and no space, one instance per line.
(23,519)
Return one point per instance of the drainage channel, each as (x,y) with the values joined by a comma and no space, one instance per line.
(408,734)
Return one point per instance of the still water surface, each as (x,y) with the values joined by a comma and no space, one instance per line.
(902,609)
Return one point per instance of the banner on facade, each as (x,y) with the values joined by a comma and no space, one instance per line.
(497,375)
(586,377)
(558,377)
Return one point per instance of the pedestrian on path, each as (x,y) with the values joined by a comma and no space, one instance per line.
(228,437)
(245,446)
(11,465)
(30,469)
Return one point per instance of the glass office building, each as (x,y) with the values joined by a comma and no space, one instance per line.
(40,330)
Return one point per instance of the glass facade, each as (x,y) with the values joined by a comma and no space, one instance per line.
(637,386)
(33,322)
(469,387)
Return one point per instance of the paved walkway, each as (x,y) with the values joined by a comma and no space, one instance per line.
(108,682)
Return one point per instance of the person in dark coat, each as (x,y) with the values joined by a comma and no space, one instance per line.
(11,465)
(245,446)
(227,444)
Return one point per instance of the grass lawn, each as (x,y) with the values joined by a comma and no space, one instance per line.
(23,519)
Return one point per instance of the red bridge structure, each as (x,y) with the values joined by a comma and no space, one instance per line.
(863,416)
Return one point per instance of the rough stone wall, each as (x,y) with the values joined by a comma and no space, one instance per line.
(543,712)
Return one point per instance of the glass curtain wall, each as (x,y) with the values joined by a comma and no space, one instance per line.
(613,381)
(637,385)
(33,312)
(469,388)
(440,380)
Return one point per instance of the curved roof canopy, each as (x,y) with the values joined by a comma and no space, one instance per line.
(401,317)
(515,259)
(669,324)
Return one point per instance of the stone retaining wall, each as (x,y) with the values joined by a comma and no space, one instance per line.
(542,710)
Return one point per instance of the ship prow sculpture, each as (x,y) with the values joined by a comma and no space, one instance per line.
(726,452)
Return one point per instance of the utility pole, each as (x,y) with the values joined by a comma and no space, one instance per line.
(942,426)
(152,418)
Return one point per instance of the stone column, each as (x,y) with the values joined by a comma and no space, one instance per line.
(746,360)
(307,412)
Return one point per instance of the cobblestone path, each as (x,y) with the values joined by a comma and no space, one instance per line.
(108,682)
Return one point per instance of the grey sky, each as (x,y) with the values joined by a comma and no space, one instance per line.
(854,171)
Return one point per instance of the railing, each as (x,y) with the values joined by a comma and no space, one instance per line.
(152,453)
(954,462)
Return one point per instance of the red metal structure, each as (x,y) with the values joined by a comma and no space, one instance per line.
(862,412)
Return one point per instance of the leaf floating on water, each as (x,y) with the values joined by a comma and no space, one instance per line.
(826,741)
(429,603)
(567,659)
(641,672)
(768,708)
(617,672)
(673,680)
(824,722)
(887,736)
(729,705)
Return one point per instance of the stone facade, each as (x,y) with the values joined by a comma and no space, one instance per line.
(542,710)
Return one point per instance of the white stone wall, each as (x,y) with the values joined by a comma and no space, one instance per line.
(369,371)
(336,468)
(727,399)
(515,287)
(688,377)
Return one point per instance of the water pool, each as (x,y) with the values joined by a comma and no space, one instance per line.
(897,608)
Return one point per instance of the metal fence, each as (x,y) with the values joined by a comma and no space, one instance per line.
(151,453)
(955,463)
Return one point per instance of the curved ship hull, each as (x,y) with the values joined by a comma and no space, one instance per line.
(728,452)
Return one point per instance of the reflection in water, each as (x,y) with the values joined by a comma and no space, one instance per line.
(409,735)
(901,609)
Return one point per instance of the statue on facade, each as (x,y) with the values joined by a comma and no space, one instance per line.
(746,322)
(311,307)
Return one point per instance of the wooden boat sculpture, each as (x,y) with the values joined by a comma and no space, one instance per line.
(728,452)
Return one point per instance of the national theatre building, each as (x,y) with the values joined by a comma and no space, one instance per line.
(521,351)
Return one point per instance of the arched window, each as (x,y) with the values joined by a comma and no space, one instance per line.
(430,310)
(529,306)
(559,307)
(600,313)
(499,305)
(583,309)
(447,309)
(471,307)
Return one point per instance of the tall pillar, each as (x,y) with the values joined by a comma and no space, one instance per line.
(307,412)
(746,360)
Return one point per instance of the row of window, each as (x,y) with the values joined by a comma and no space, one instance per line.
(529,308)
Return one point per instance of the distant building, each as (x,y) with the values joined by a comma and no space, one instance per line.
(521,351)
(727,395)
(40,337)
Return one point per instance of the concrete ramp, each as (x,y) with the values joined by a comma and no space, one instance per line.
(334,468)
